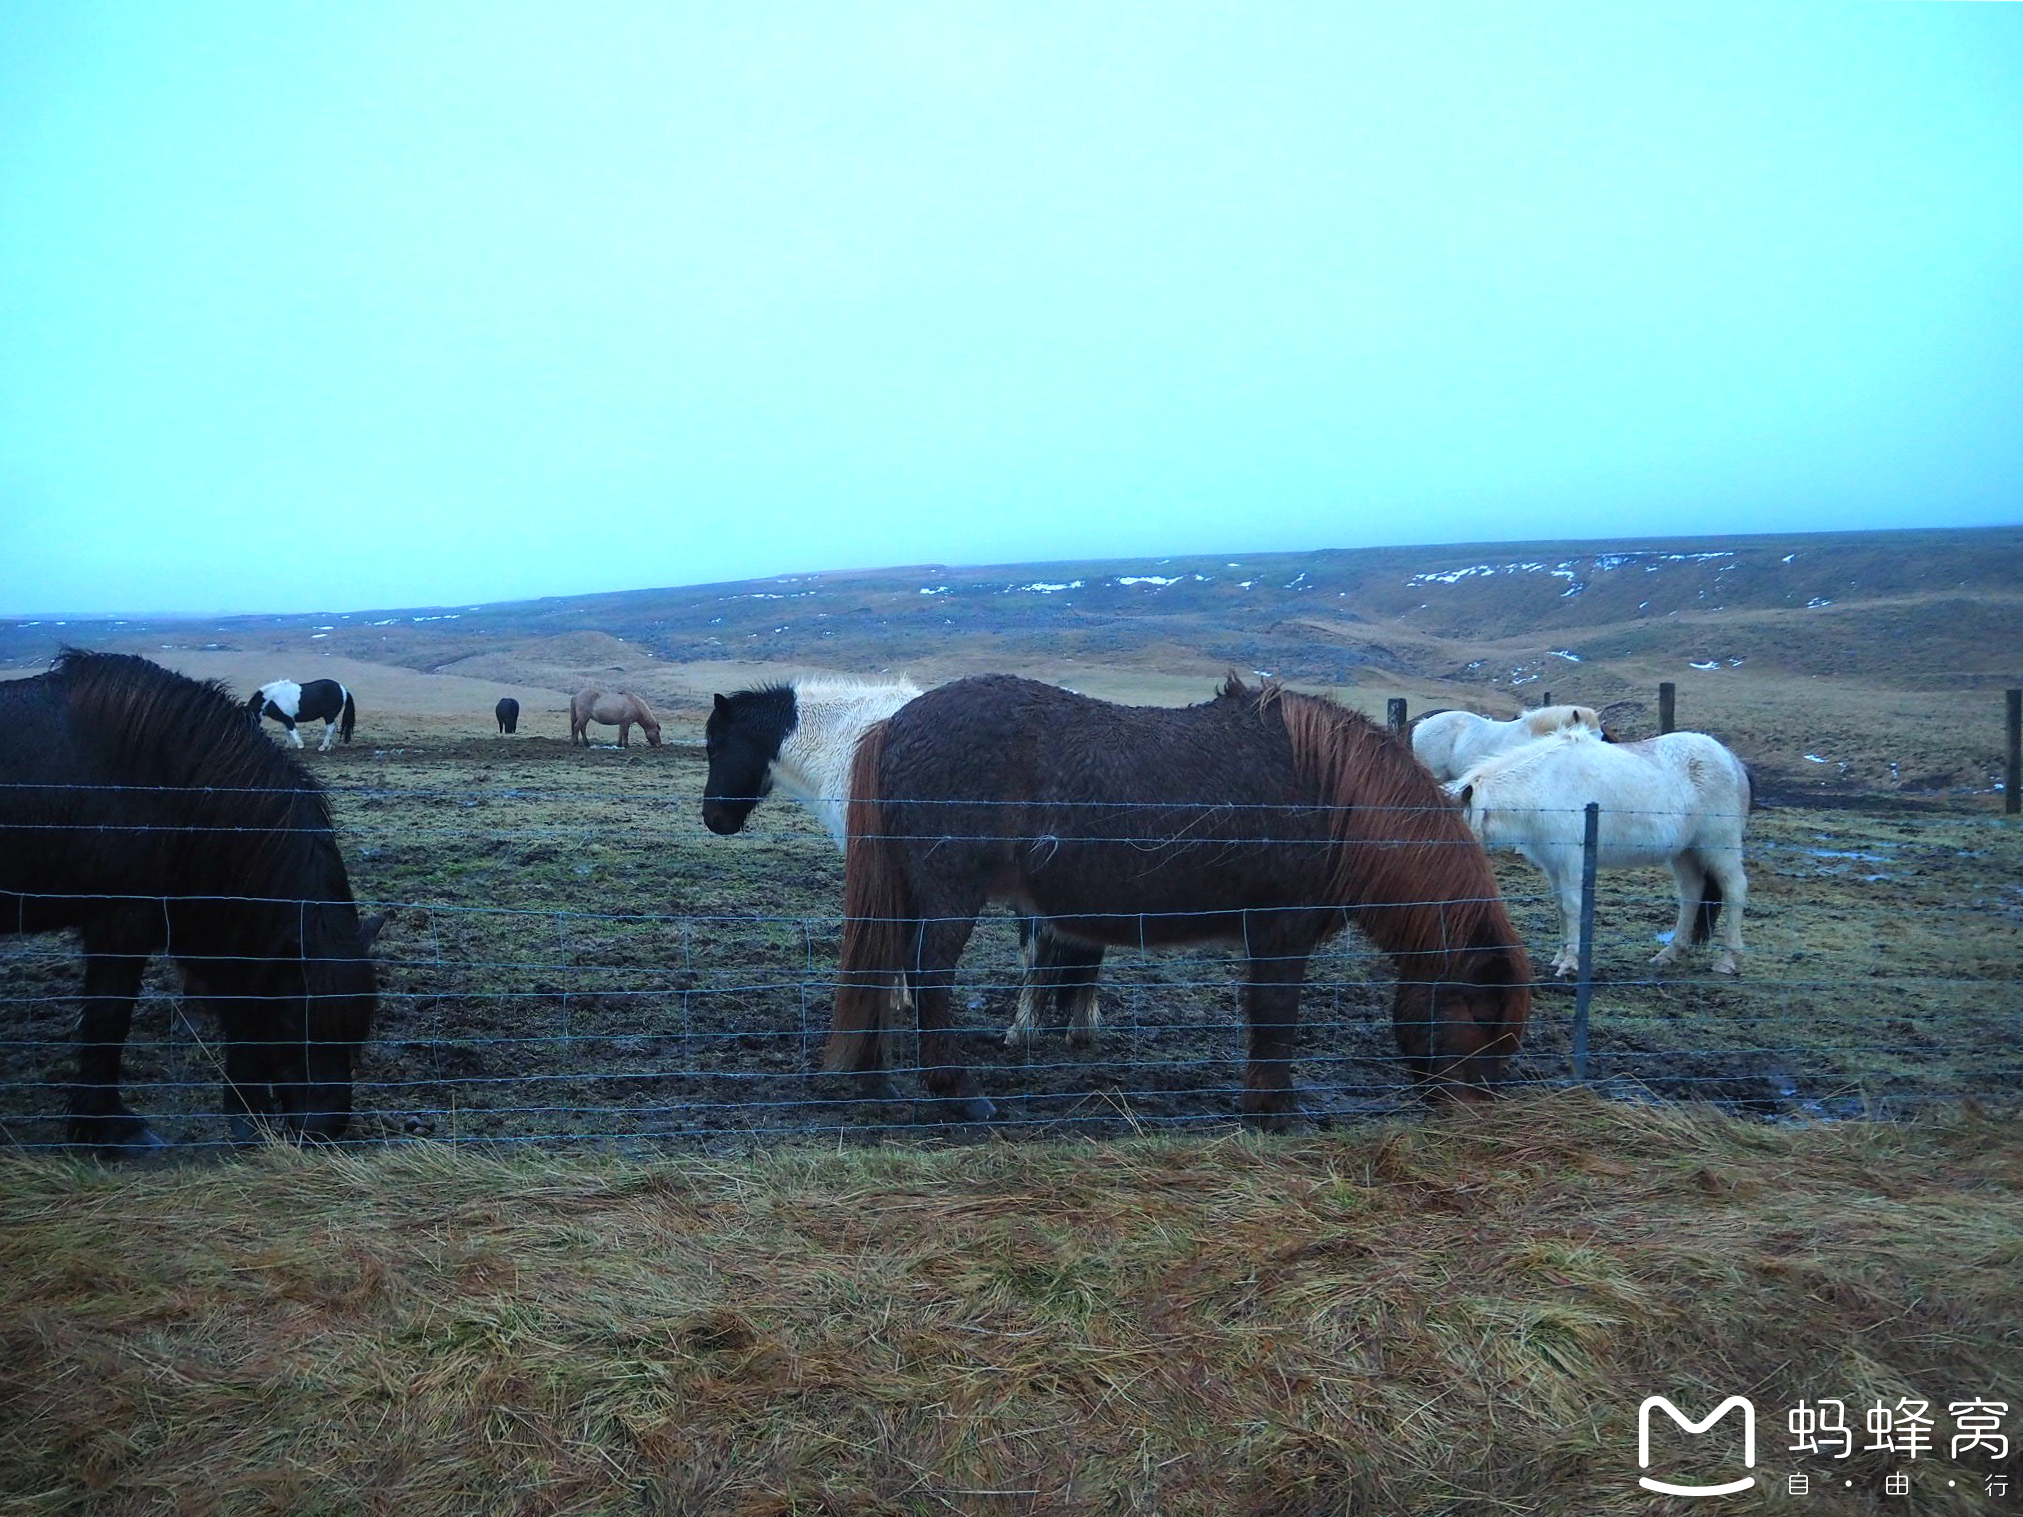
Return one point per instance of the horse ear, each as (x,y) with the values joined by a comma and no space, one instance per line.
(722,705)
(369,930)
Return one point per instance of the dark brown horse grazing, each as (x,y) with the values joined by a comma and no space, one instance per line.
(1260,819)
(142,808)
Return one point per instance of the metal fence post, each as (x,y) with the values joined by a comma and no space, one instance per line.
(1396,712)
(1668,694)
(1590,836)
(2012,781)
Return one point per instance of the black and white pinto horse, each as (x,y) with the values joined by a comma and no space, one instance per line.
(508,713)
(140,808)
(288,703)
(799,738)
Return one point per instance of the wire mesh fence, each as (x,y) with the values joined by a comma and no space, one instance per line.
(571,959)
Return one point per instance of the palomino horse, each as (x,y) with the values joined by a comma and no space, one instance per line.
(798,738)
(1680,799)
(315,700)
(619,708)
(142,809)
(1260,819)
(1450,743)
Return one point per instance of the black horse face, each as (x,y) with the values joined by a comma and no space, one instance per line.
(741,739)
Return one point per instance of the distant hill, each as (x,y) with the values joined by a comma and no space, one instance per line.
(1907,615)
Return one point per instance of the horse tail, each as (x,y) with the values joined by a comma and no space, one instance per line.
(1708,911)
(350,715)
(877,914)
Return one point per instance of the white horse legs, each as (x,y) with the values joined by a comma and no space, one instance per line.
(295,737)
(1691,872)
(329,737)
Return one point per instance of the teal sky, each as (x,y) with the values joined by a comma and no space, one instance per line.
(340,306)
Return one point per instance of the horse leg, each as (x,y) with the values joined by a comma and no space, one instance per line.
(249,1104)
(1692,879)
(1025,1023)
(1271,994)
(294,737)
(1565,883)
(952,1084)
(1078,967)
(1725,866)
(329,734)
(98,1118)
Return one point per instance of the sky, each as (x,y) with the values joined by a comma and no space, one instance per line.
(337,307)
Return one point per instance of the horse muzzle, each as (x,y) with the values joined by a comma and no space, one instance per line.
(724,817)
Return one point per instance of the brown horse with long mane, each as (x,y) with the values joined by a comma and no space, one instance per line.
(613,708)
(1260,819)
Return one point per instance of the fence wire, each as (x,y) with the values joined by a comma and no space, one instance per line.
(596,969)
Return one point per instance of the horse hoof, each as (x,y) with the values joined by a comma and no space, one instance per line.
(955,1111)
(1279,1123)
(876,1087)
(135,1146)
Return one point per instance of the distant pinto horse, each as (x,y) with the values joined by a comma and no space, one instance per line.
(319,699)
(142,809)
(1681,799)
(508,713)
(1262,819)
(798,738)
(1450,743)
(619,708)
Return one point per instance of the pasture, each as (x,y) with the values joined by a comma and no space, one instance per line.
(572,956)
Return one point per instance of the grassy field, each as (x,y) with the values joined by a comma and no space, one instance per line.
(1448,1317)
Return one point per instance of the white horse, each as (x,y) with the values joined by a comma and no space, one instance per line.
(798,738)
(1681,799)
(1450,743)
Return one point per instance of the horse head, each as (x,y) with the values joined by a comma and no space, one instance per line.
(1457,1034)
(294,1025)
(740,765)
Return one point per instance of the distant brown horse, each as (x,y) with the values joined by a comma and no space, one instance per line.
(613,708)
(1261,819)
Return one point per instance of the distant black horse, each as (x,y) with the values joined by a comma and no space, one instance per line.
(1262,819)
(508,713)
(320,699)
(139,807)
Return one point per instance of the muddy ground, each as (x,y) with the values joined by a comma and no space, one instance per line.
(572,957)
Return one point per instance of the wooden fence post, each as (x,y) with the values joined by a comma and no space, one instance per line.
(1396,712)
(2012,781)
(1590,839)
(1668,695)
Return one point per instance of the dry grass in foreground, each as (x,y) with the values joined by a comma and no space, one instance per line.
(1457,1316)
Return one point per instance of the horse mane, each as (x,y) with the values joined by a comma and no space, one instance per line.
(843,684)
(165,729)
(1386,816)
(206,770)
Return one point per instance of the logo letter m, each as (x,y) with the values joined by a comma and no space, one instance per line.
(1748,1445)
